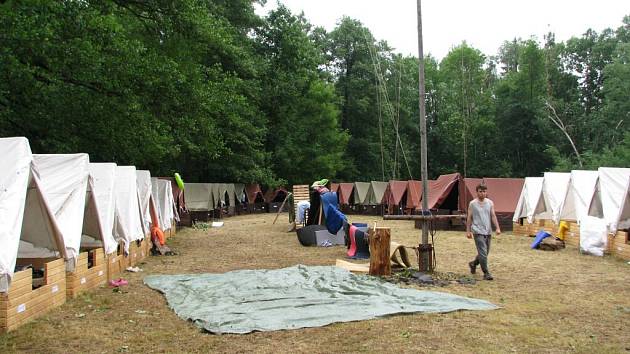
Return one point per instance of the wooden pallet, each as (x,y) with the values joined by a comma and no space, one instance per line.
(22,304)
(84,278)
(300,193)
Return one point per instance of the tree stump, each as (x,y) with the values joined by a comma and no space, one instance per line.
(379,251)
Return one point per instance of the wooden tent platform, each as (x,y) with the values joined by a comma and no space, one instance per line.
(618,244)
(22,304)
(84,278)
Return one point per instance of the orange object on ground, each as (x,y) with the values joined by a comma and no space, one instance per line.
(156,233)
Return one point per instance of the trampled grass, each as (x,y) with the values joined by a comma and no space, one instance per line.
(550,301)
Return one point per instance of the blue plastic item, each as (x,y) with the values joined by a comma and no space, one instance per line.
(540,236)
(360,224)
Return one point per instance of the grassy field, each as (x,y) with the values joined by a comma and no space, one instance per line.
(550,301)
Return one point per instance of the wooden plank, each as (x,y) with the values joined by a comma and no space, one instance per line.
(353,267)
(18,290)
(35,308)
(17,276)
(55,278)
(31,301)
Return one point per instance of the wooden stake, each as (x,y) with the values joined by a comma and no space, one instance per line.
(281,206)
(379,251)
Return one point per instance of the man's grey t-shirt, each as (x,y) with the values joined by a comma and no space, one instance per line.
(481,220)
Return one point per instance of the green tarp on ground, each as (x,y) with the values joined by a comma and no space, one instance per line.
(296,297)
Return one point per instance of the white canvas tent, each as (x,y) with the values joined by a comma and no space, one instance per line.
(24,210)
(128,225)
(612,187)
(554,190)
(103,176)
(164,205)
(578,196)
(530,202)
(145,198)
(64,177)
(199,196)
(624,211)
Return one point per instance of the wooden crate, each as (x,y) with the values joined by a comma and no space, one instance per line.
(84,278)
(22,304)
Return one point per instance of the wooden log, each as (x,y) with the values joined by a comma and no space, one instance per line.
(379,251)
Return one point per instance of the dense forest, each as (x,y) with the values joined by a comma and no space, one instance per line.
(216,92)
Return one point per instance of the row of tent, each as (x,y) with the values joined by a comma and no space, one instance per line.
(576,195)
(448,192)
(210,196)
(53,205)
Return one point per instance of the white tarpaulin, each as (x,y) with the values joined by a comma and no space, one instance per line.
(24,211)
(128,226)
(103,176)
(143,182)
(579,195)
(554,189)
(612,187)
(530,201)
(64,177)
(593,238)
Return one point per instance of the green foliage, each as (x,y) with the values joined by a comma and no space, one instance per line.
(304,135)
(210,89)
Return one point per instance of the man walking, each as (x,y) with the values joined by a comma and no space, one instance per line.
(480,214)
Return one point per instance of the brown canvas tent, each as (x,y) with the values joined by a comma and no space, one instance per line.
(504,192)
(395,194)
(442,194)
(254,193)
(345,193)
(467,191)
(275,195)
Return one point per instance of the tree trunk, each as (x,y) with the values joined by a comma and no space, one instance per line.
(379,251)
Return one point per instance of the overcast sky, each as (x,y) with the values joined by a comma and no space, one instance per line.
(483,24)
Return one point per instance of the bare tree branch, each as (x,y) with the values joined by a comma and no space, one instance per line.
(560,124)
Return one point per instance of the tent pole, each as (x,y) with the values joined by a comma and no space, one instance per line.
(425,248)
